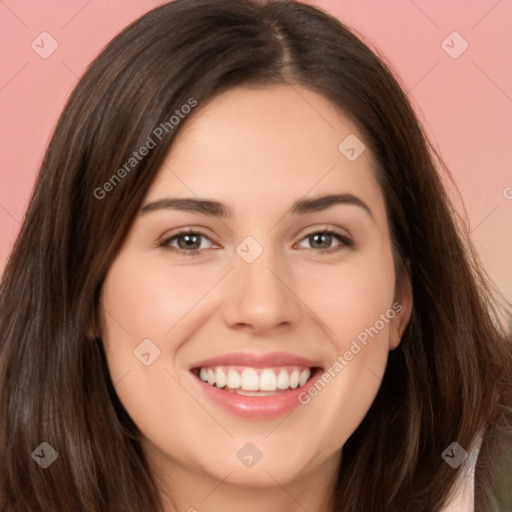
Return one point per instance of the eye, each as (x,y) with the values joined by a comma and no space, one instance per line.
(188,242)
(322,240)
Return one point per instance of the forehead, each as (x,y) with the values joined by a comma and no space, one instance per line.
(268,145)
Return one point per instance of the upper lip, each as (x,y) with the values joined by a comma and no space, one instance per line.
(255,360)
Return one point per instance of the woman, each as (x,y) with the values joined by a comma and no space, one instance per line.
(173,338)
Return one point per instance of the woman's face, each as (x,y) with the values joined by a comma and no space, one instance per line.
(274,286)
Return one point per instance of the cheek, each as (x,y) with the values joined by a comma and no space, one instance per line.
(351,297)
(142,300)
(354,303)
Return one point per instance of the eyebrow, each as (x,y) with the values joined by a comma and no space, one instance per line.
(213,208)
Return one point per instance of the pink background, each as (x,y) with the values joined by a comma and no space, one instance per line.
(465,103)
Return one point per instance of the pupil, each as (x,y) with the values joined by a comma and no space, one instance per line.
(189,240)
(324,237)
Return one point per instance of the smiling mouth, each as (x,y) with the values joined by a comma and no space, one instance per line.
(248,381)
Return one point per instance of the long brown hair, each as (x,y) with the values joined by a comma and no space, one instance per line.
(449,378)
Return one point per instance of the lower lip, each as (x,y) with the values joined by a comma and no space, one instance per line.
(256,407)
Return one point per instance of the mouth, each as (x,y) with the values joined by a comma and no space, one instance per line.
(255,387)
(249,381)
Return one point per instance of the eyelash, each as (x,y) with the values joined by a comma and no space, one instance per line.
(346,242)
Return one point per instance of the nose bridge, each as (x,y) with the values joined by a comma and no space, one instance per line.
(257,294)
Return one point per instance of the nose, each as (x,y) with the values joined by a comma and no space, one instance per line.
(260,297)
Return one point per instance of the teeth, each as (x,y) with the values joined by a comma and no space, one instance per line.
(220,378)
(268,380)
(283,380)
(255,380)
(294,379)
(304,376)
(249,380)
(233,379)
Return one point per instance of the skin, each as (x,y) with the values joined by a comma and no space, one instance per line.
(257,150)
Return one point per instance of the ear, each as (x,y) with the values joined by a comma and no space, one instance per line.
(93,330)
(402,305)
(91,334)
